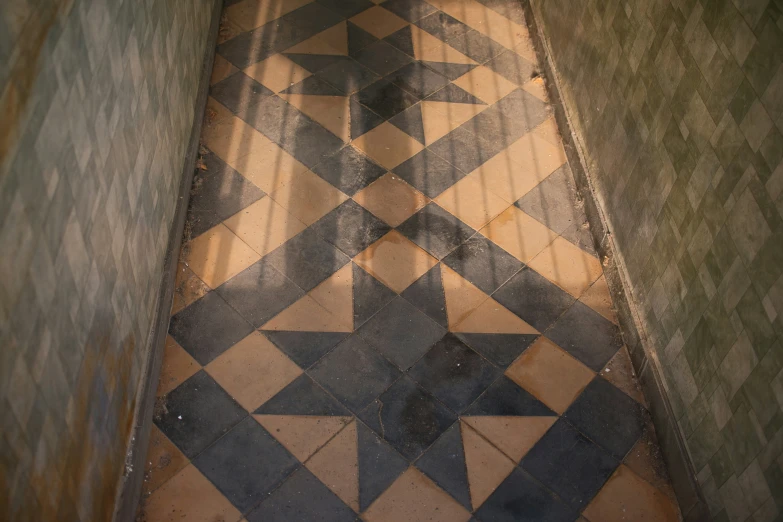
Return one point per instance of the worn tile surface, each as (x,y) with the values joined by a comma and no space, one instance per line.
(394,324)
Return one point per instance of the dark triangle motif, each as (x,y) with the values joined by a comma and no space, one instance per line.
(302,397)
(444,463)
(363,120)
(369,296)
(501,349)
(305,348)
(410,122)
(379,466)
(427,295)
(402,40)
(313,86)
(505,398)
(452,71)
(314,62)
(358,39)
(453,94)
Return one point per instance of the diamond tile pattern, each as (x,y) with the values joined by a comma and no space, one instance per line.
(408,366)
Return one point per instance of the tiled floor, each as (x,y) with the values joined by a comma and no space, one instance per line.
(388,306)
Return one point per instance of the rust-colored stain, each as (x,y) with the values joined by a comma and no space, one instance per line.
(16,93)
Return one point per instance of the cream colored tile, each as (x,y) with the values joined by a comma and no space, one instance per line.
(277,73)
(217,255)
(506,178)
(391,199)
(221,70)
(485,84)
(215,113)
(333,112)
(549,132)
(162,462)
(253,371)
(188,496)
(269,168)
(461,296)
(519,234)
(597,297)
(333,41)
(177,367)
(232,139)
(440,118)
(379,22)
(264,225)
(468,200)
(337,465)
(536,155)
(626,496)
(249,14)
(395,261)
(308,197)
(486,21)
(487,467)
(537,88)
(187,288)
(568,266)
(388,145)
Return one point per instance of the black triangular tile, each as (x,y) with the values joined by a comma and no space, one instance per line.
(444,463)
(427,295)
(402,40)
(379,466)
(501,349)
(358,39)
(313,86)
(363,120)
(410,122)
(302,397)
(305,348)
(314,62)
(452,71)
(505,398)
(369,296)
(453,94)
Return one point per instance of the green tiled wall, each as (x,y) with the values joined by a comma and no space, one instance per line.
(679,108)
(97,101)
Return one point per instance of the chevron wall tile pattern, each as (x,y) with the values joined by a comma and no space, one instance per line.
(97,102)
(679,105)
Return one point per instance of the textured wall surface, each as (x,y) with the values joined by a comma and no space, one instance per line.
(97,102)
(679,106)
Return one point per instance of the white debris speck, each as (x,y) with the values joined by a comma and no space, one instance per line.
(179,417)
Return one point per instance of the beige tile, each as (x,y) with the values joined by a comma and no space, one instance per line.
(333,112)
(249,14)
(337,465)
(269,168)
(227,30)
(217,255)
(232,139)
(388,145)
(423,41)
(391,199)
(461,296)
(551,374)
(415,498)
(440,53)
(308,197)
(221,69)
(264,225)
(619,371)
(506,178)
(514,436)
(468,200)
(568,266)
(395,261)
(302,435)
(486,21)
(253,371)
(379,22)
(277,72)
(519,234)
(492,317)
(188,496)
(333,41)
(187,288)
(536,154)
(216,112)
(176,368)
(537,88)
(440,118)
(547,130)
(162,462)
(597,297)
(485,84)
(627,497)
(646,460)
(487,467)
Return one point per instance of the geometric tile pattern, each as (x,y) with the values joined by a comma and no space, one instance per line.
(98,102)
(680,109)
(369,341)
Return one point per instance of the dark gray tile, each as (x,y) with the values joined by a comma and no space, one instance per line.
(435,230)
(248,292)
(407,418)
(586,335)
(305,348)
(303,498)
(464,149)
(569,464)
(483,263)
(208,328)
(445,464)
(410,122)
(369,296)
(350,228)
(382,58)
(533,298)
(508,119)
(453,373)
(246,464)
(443,26)
(238,92)
(452,71)
(401,333)
(505,398)
(313,85)
(385,98)
(348,76)
(307,259)
(315,62)
(453,94)
(429,173)
(302,397)
(354,373)
(363,120)
(410,10)
(513,67)
(500,349)
(418,80)
(402,40)
(379,465)
(475,45)
(609,417)
(358,38)
(347,8)
(349,170)
(553,202)
(519,498)
(197,412)
(426,294)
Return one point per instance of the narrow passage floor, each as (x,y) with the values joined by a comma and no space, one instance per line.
(389,307)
